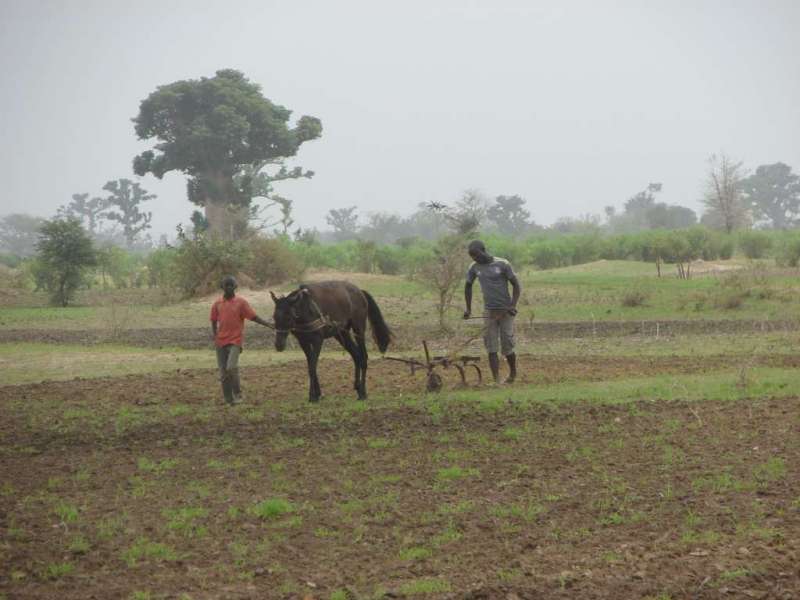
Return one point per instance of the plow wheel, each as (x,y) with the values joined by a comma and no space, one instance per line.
(434,383)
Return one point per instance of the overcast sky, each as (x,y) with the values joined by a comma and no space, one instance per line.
(572,105)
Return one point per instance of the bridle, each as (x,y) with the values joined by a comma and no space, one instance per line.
(320,322)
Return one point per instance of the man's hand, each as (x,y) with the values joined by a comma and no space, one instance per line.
(512,311)
(466,314)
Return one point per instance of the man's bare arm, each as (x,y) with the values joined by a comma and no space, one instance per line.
(261,321)
(468,299)
(516,290)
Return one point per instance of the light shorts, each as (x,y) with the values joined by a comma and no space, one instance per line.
(498,333)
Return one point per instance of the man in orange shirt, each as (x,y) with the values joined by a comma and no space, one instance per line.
(227,322)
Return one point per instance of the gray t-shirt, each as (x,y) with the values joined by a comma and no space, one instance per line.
(494,278)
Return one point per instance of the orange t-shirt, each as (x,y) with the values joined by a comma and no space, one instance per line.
(230,316)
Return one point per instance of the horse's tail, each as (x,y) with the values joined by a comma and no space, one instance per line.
(380,330)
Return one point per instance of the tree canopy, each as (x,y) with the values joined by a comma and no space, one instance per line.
(773,193)
(19,233)
(213,129)
(124,201)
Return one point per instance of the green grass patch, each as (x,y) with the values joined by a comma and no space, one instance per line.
(66,513)
(763,382)
(454,473)
(146,550)
(428,585)
(271,509)
(415,553)
(58,570)
(186,520)
(162,466)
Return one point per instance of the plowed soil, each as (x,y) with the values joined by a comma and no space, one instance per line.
(148,487)
(408,336)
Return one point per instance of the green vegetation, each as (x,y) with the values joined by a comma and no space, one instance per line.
(146,550)
(646,436)
(271,508)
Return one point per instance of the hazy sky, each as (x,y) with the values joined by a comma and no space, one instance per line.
(572,105)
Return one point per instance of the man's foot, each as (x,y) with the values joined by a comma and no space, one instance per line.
(236,400)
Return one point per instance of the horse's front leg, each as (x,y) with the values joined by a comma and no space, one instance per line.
(311,348)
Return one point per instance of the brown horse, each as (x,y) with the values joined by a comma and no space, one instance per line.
(327,309)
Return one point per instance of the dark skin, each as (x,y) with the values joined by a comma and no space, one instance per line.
(229,291)
(483,258)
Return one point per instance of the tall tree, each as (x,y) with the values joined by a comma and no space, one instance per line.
(19,233)
(725,206)
(65,253)
(466,216)
(669,216)
(469,212)
(89,211)
(343,222)
(509,214)
(126,197)
(214,130)
(773,193)
(634,216)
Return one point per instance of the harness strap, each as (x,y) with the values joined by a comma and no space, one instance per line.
(320,322)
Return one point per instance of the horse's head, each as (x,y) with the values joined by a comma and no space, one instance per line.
(289,310)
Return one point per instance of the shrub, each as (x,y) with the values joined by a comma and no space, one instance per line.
(10,260)
(159,265)
(65,255)
(547,255)
(201,262)
(366,256)
(731,300)
(755,244)
(272,261)
(121,266)
(789,252)
(13,278)
(726,248)
(717,246)
(633,298)
(389,259)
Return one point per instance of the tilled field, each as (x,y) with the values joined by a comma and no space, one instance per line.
(147,487)
(408,336)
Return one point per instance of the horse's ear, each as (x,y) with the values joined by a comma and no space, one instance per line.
(274,297)
(294,297)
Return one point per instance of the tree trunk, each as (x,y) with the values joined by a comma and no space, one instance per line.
(226,221)
(227,218)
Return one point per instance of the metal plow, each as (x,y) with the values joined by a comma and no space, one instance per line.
(434,381)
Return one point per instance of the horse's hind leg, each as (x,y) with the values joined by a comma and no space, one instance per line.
(362,348)
(348,344)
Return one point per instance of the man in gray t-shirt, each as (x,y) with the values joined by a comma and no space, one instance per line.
(494,275)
